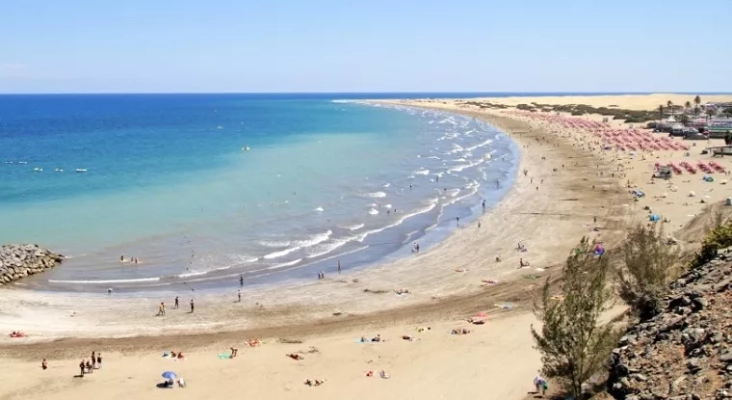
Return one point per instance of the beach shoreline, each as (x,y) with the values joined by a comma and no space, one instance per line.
(322,320)
(429,277)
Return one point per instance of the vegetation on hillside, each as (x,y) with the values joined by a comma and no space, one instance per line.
(648,264)
(572,343)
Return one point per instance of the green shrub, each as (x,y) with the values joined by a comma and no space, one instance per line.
(719,238)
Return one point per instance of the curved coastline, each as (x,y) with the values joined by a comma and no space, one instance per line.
(428,226)
(429,276)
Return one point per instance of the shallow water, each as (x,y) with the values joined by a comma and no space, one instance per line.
(205,188)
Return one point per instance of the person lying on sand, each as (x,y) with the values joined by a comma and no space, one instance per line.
(234,351)
(295,356)
(180,355)
(17,334)
(409,337)
(384,375)
(476,321)
(314,382)
(462,270)
(423,328)
(255,343)
(402,291)
(376,338)
(364,340)
(370,373)
(460,331)
(44,364)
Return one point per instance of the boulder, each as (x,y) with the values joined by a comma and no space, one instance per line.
(20,260)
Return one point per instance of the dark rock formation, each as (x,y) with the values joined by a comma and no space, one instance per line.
(684,353)
(20,260)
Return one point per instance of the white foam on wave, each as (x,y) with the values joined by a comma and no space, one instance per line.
(326,248)
(354,227)
(300,244)
(375,195)
(461,167)
(104,281)
(386,185)
(398,222)
(286,264)
(373,211)
(387,206)
(479,145)
(421,171)
(456,148)
(274,244)
(318,209)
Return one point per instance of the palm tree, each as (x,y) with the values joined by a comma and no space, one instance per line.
(696,110)
(669,103)
(697,101)
(660,111)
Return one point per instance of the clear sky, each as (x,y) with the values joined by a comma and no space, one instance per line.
(85,46)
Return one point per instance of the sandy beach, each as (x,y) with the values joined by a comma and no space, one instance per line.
(571,188)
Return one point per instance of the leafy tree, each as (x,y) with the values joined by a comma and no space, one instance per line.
(684,119)
(648,265)
(572,344)
(710,113)
(669,103)
(696,110)
(697,100)
(687,105)
(660,112)
(728,111)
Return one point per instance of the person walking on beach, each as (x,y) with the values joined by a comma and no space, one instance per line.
(94,359)
(239,296)
(81,367)
(339,267)
(193,306)
(175,305)
(99,360)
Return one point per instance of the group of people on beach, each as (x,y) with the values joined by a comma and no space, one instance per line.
(176,304)
(85,366)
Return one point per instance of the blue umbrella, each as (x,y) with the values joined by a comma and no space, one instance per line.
(169,375)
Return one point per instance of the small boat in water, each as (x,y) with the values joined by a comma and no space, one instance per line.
(80,170)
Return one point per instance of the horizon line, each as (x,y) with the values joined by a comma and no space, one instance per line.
(522,94)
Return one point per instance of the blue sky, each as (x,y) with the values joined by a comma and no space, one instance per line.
(138,46)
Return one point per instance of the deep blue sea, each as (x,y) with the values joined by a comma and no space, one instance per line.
(205,188)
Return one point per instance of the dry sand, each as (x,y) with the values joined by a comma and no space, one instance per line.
(496,361)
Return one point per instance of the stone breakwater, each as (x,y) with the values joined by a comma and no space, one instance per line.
(20,260)
(684,353)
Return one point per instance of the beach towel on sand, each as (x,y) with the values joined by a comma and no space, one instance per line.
(224,356)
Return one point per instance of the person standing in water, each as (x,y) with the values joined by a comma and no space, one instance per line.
(193,306)
(241,280)
(176,302)
(339,267)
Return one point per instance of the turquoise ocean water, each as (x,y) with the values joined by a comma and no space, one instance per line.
(206,188)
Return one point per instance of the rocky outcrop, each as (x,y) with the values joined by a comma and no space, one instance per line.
(685,353)
(20,260)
